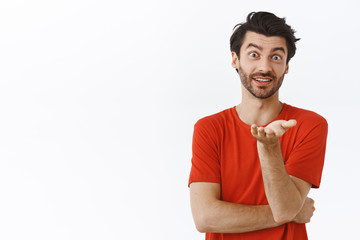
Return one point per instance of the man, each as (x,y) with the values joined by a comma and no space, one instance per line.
(253,165)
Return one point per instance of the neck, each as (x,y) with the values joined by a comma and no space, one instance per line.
(258,111)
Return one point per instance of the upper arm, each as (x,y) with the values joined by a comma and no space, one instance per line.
(306,159)
(205,161)
(202,194)
(302,186)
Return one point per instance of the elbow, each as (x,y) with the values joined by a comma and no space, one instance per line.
(201,228)
(203,223)
(285,216)
(286,213)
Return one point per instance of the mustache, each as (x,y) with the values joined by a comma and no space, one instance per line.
(258,74)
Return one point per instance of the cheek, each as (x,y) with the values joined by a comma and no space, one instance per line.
(280,70)
(248,66)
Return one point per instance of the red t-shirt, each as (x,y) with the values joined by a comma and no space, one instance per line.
(225,152)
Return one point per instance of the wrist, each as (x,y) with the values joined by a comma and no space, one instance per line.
(269,151)
(269,145)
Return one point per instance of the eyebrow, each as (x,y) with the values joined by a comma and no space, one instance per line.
(279,49)
(255,46)
(261,48)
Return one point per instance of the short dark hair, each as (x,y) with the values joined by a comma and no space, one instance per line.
(267,24)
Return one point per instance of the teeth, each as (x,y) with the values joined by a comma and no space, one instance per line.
(262,80)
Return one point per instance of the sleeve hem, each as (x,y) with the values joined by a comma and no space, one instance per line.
(314,182)
(209,180)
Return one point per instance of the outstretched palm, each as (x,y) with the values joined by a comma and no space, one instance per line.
(272,132)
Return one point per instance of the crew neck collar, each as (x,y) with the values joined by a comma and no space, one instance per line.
(279,117)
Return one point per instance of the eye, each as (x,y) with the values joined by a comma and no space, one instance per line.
(276,57)
(253,54)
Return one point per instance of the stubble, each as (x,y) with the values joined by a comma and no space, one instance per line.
(262,92)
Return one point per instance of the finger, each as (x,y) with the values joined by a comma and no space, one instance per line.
(261,132)
(254,130)
(289,124)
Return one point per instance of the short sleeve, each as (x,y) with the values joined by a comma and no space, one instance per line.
(306,161)
(205,164)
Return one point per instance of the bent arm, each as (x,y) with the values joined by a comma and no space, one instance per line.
(286,194)
(214,215)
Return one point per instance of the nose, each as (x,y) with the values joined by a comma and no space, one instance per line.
(264,65)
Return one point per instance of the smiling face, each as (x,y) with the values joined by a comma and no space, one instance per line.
(261,64)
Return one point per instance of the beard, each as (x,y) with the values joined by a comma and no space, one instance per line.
(262,92)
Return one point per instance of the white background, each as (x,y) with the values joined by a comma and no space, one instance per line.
(98,100)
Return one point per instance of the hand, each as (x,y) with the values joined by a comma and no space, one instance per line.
(272,132)
(306,212)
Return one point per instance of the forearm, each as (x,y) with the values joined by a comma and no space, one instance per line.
(211,214)
(283,196)
(226,217)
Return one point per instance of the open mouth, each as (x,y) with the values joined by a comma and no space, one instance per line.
(263,79)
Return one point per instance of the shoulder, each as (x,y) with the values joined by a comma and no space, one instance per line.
(310,125)
(219,118)
(215,123)
(304,116)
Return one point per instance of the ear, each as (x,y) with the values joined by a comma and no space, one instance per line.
(287,68)
(235,60)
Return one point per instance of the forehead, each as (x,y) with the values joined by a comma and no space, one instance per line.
(266,43)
